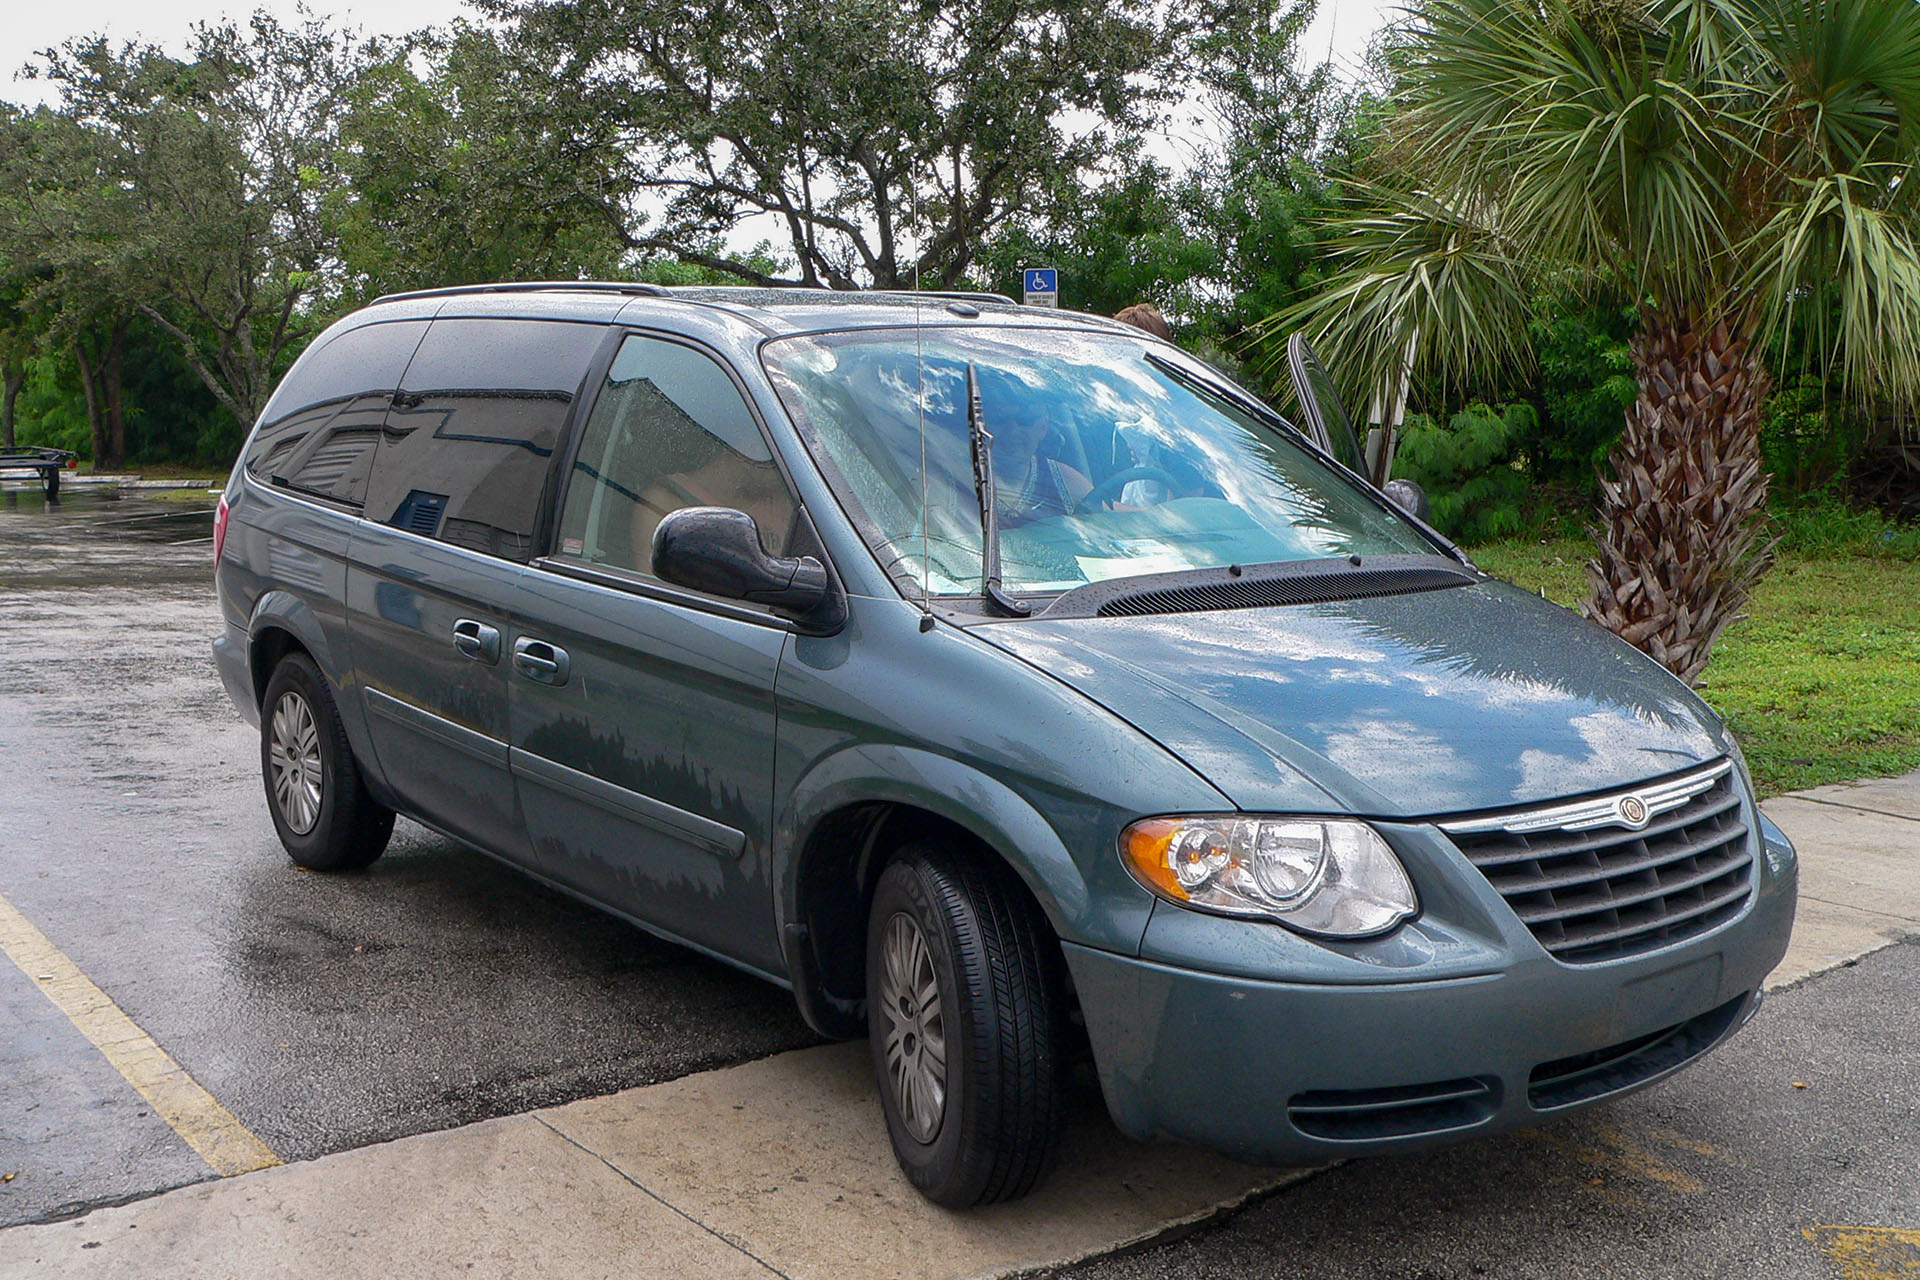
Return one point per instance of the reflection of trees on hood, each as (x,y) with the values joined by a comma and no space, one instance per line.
(1498,635)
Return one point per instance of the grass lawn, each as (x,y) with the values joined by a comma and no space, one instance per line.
(1820,681)
(199,495)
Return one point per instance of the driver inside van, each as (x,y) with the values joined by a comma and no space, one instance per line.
(1030,482)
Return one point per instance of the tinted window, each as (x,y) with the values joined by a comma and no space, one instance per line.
(669,430)
(467,444)
(319,432)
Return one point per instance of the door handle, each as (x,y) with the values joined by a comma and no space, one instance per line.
(477,640)
(539,660)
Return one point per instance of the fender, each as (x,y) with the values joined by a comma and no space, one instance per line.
(966,797)
(288,612)
(812,940)
(973,800)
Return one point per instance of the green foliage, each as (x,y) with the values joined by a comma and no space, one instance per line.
(1234,232)
(1808,434)
(672,271)
(1824,527)
(171,417)
(1701,156)
(1585,386)
(886,141)
(52,408)
(1116,243)
(186,190)
(1468,469)
(445,180)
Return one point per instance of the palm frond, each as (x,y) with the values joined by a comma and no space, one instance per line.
(1844,82)
(1851,265)
(1419,274)
(1603,146)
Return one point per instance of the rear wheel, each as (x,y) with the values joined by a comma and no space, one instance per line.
(320,805)
(964,1013)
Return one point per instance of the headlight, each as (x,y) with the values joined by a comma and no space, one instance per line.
(1326,876)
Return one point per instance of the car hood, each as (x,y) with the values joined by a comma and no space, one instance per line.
(1473,697)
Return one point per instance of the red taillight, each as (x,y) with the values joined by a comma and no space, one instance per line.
(73,464)
(219,530)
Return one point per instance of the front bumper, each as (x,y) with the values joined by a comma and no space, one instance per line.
(1286,1071)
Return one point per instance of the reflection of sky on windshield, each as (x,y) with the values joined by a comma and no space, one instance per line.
(877,402)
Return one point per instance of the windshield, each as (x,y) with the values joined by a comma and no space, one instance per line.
(1111,459)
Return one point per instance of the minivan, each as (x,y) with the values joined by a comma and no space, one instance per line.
(1009,685)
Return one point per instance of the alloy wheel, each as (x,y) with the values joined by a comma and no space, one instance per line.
(295,756)
(916,1042)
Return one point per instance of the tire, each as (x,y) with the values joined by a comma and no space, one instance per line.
(319,803)
(984,1124)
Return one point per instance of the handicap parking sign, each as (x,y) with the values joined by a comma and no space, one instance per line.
(1040,286)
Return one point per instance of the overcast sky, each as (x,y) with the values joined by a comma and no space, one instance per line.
(36,24)
(1340,30)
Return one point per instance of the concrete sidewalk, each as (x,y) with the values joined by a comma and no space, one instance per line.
(781,1167)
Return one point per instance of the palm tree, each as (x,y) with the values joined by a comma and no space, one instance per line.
(1729,163)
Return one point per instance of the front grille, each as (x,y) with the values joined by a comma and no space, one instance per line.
(1593,886)
(1587,1076)
(1362,1115)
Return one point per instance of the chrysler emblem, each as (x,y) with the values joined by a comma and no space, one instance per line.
(1633,811)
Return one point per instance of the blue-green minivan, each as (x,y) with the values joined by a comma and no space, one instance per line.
(1009,686)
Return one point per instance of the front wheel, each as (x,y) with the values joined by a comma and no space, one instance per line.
(320,805)
(964,1012)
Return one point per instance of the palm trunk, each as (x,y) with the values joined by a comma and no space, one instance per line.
(1682,533)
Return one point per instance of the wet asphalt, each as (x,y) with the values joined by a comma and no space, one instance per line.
(1791,1153)
(325,1012)
(437,988)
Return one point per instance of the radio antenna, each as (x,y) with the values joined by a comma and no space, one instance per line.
(920,408)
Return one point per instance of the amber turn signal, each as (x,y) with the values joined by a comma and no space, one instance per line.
(1145,845)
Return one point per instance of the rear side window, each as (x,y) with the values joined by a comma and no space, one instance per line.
(669,430)
(467,445)
(318,434)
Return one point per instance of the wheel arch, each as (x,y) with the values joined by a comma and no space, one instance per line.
(283,622)
(857,808)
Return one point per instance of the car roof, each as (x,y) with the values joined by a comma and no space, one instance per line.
(772,311)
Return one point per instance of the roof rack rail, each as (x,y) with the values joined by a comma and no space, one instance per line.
(631,288)
(957,295)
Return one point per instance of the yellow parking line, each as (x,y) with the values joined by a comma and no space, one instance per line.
(209,1128)
(1868,1253)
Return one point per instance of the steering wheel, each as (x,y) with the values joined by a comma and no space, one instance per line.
(1109,489)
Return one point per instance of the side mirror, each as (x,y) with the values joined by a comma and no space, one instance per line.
(1409,497)
(717,550)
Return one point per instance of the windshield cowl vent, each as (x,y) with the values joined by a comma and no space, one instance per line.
(1322,585)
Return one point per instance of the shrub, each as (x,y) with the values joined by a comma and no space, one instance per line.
(1807,435)
(1586,384)
(1468,468)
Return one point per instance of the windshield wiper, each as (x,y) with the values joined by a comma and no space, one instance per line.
(989,516)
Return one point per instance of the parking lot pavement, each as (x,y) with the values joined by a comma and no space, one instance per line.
(324,1012)
(1789,1153)
(1732,1169)
(569,1098)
